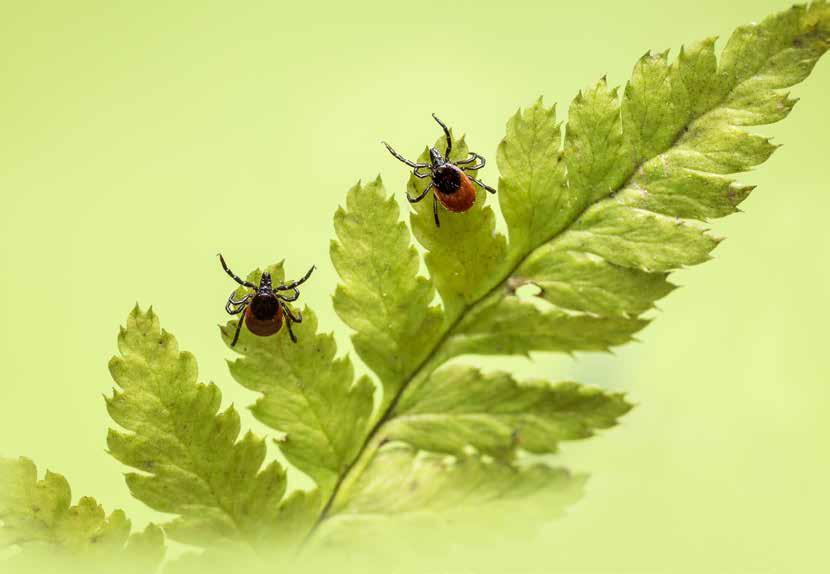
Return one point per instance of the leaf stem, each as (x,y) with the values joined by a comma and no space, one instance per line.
(374,439)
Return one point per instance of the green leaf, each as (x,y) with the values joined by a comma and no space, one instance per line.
(306,393)
(502,325)
(655,107)
(598,157)
(683,124)
(191,460)
(418,508)
(295,518)
(636,238)
(534,194)
(37,516)
(400,481)
(580,281)
(381,296)
(461,406)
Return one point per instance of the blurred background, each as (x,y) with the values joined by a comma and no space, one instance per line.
(139,139)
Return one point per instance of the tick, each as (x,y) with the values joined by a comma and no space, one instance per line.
(264,308)
(453,187)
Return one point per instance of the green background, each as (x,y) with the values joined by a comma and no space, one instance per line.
(138,139)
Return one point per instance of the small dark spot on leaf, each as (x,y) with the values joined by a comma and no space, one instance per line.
(516,437)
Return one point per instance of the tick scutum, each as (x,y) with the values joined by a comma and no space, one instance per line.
(447,178)
(264,306)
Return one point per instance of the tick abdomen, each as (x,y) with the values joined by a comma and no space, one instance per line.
(264,327)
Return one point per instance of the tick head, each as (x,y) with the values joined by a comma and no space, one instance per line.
(265,282)
(435,157)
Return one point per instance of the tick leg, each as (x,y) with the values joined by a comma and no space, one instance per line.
(473,157)
(481,163)
(233,275)
(435,210)
(298,282)
(420,175)
(484,186)
(291,331)
(411,164)
(290,318)
(446,133)
(234,307)
(298,318)
(289,298)
(238,329)
(423,194)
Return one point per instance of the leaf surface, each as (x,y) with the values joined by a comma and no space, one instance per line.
(597,221)
(189,457)
(38,516)
(460,406)
(307,393)
(401,480)
(381,295)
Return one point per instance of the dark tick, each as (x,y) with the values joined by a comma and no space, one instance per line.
(264,307)
(453,188)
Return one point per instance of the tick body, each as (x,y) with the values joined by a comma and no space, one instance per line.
(265,308)
(264,315)
(452,187)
